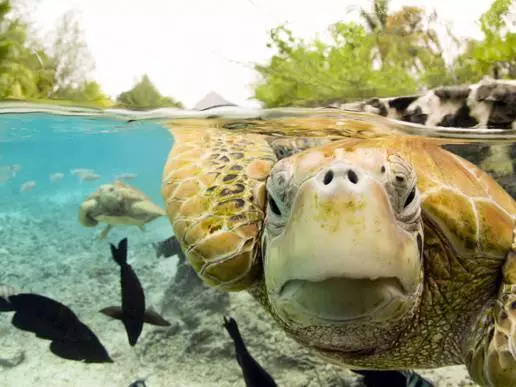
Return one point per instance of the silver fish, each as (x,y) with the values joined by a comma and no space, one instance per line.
(55,177)
(28,185)
(80,171)
(89,177)
(126,176)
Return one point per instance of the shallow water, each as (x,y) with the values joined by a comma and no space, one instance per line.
(44,249)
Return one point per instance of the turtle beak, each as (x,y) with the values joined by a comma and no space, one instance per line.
(342,255)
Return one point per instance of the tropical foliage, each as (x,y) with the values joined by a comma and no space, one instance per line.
(385,54)
(144,95)
(59,70)
(381,53)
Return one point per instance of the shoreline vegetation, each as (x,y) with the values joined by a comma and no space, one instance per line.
(382,53)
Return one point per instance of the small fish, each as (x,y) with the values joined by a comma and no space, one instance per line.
(377,378)
(126,176)
(138,383)
(132,313)
(168,248)
(80,171)
(15,168)
(8,172)
(28,186)
(254,374)
(89,177)
(51,320)
(55,177)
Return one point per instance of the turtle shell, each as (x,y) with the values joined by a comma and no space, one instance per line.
(214,189)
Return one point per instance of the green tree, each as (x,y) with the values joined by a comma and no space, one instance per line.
(31,70)
(343,69)
(144,95)
(387,54)
(72,59)
(16,76)
(407,39)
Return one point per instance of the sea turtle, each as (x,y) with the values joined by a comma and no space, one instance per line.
(118,204)
(386,252)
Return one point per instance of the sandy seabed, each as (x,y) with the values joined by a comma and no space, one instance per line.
(54,256)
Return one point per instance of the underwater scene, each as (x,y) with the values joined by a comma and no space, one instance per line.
(91,201)
(338,209)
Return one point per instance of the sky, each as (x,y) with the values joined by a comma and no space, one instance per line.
(190,47)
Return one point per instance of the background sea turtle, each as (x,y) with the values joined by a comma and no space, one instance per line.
(118,204)
(384,252)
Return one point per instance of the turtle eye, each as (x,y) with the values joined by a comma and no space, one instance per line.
(273,206)
(410,197)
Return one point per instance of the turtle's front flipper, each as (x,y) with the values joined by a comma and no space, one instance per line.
(105,231)
(492,358)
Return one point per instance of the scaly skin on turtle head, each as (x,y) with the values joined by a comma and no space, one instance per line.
(373,273)
(342,246)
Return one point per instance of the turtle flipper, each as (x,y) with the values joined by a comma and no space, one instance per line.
(105,231)
(492,360)
(214,189)
(84,212)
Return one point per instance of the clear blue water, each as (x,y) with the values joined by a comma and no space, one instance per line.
(44,249)
(45,144)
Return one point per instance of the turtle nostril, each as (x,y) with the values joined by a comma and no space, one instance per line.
(328,177)
(352,176)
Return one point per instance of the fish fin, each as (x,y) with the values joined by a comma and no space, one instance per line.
(113,312)
(373,378)
(120,254)
(89,351)
(153,318)
(232,327)
(5,305)
(416,380)
(168,248)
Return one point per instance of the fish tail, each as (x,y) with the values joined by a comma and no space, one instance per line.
(120,254)
(232,327)
(416,380)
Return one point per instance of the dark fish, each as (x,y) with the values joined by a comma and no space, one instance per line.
(51,320)
(132,313)
(392,378)
(416,380)
(254,374)
(138,383)
(168,248)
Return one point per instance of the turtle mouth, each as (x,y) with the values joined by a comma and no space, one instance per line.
(343,299)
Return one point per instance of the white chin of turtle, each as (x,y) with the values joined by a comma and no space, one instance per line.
(342,254)
(342,300)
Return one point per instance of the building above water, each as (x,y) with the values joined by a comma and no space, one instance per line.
(212,100)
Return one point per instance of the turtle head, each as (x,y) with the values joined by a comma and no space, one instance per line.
(342,245)
(109,196)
